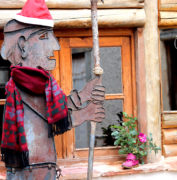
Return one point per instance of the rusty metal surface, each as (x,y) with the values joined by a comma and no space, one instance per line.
(41,148)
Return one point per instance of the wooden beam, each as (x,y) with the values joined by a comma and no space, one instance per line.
(169,120)
(169,136)
(73,4)
(168,5)
(81,18)
(168,19)
(170,150)
(2,101)
(114,96)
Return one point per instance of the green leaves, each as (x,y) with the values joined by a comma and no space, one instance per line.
(126,136)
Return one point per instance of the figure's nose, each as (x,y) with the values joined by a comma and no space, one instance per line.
(55,43)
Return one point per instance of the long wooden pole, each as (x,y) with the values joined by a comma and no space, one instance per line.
(97,71)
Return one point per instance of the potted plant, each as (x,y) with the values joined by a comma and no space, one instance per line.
(136,145)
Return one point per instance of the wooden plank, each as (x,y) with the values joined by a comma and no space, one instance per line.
(168,1)
(168,5)
(169,120)
(87,42)
(66,84)
(100,159)
(133,75)
(73,4)
(114,96)
(169,136)
(140,79)
(168,19)
(170,150)
(82,18)
(2,101)
(82,32)
(58,139)
(126,76)
(104,151)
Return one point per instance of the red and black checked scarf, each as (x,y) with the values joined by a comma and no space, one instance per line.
(13,135)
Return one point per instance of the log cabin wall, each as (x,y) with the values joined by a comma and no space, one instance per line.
(167,20)
(76,14)
(167,13)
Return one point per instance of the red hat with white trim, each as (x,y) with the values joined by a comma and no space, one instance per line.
(35,12)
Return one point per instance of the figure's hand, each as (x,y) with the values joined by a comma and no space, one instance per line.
(87,105)
(90,90)
(92,112)
(98,94)
(93,91)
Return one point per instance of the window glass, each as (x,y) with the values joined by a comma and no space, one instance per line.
(111,63)
(168,68)
(82,66)
(103,131)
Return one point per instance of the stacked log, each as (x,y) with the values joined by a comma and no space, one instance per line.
(169,134)
(82,18)
(73,4)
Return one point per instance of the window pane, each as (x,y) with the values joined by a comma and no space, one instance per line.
(82,66)
(111,64)
(112,107)
(169,75)
(81,73)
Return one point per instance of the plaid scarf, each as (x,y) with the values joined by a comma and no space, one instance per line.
(14,142)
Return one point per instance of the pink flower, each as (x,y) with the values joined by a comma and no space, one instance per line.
(131,156)
(142,137)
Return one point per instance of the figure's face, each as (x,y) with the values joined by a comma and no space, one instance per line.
(40,47)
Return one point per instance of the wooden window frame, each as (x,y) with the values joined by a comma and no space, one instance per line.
(66,152)
(169,122)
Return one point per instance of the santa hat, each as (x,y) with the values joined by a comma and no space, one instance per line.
(35,12)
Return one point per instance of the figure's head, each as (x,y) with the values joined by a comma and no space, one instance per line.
(30,45)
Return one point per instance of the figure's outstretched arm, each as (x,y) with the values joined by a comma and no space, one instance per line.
(87,104)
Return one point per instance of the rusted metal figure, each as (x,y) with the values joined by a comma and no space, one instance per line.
(31,45)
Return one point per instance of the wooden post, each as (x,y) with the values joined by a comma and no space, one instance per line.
(152,65)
